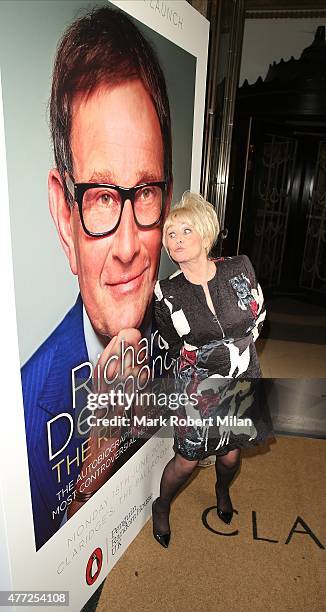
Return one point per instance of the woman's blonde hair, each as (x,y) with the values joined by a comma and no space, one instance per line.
(199,213)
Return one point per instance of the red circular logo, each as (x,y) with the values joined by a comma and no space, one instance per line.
(94,566)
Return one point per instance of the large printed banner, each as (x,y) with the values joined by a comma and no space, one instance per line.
(101,124)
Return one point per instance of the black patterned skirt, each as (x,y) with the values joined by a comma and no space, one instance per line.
(218,414)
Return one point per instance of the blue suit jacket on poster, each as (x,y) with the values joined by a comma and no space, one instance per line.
(46,384)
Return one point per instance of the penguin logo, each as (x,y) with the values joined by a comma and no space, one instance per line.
(94,566)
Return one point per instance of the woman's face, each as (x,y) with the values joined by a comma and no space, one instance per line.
(184,243)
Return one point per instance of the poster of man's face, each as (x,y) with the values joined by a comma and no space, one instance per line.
(100,126)
(115,139)
(40,264)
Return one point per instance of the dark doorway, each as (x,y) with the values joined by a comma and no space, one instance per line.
(282,221)
(276,206)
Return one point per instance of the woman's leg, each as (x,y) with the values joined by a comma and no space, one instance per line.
(226,467)
(175,474)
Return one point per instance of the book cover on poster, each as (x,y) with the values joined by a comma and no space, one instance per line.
(101,113)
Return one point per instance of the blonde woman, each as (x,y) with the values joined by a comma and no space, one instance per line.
(209,313)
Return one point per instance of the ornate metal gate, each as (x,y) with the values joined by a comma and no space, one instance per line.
(313,268)
(273,178)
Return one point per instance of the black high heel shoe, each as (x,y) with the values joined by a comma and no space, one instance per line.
(226,517)
(162,538)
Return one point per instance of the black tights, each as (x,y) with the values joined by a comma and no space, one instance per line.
(226,467)
(176,473)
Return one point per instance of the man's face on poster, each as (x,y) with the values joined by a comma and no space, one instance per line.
(116,139)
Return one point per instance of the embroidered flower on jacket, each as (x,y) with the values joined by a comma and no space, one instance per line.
(254,308)
(241,286)
(187,358)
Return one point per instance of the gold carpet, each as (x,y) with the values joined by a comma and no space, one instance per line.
(262,567)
